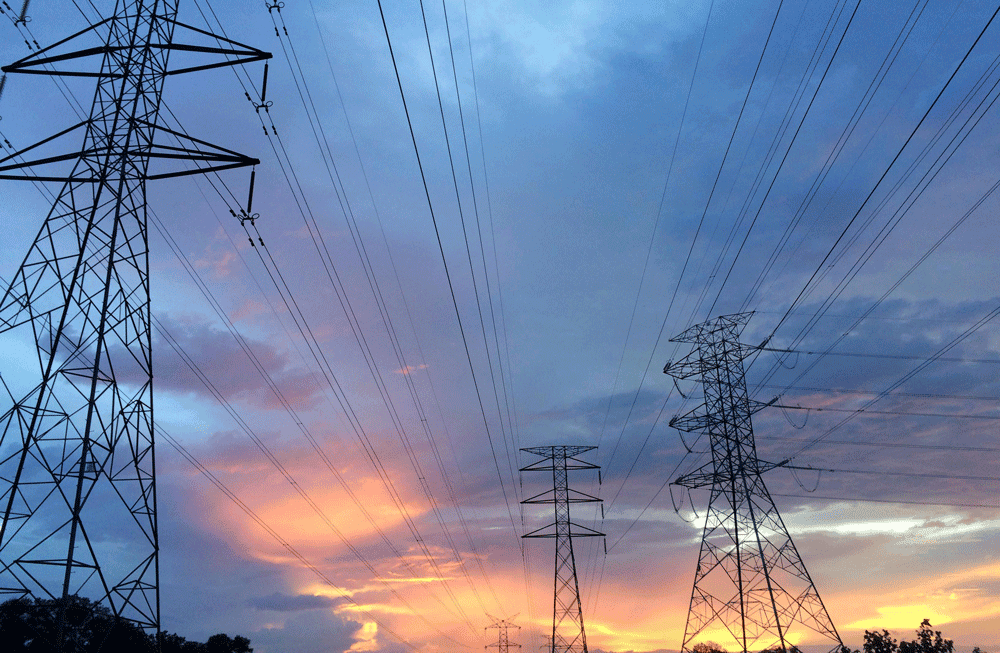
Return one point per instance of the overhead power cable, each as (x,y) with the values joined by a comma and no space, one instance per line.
(511,454)
(898,501)
(635,305)
(886,412)
(828,32)
(656,220)
(307,334)
(784,158)
(862,108)
(291,177)
(924,395)
(880,444)
(269,454)
(694,240)
(247,348)
(451,287)
(842,286)
(330,266)
(882,472)
(899,357)
(833,248)
(954,342)
(446,477)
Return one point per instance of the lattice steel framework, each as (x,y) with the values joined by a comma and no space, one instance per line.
(568,633)
(503,644)
(751,587)
(77,463)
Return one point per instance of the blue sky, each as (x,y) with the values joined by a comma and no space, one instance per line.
(599,255)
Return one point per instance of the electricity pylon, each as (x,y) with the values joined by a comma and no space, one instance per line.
(568,633)
(77,463)
(503,644)
(750,585)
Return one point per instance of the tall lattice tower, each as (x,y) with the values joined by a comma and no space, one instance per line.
(503,643)
(568,633)
(77,464)
(751,587)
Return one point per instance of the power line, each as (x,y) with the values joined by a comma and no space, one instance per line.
(923,395)
(898,501)
(868,411)
(444,261)
(880,472)
(822,265)
(891,445)
(346,304)
(901,357)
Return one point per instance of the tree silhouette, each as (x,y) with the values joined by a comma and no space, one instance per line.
(73,625)
(223,643)
(928,641)
(82,626)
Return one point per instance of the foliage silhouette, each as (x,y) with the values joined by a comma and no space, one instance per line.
(33,626)
(928,641)
(707,647)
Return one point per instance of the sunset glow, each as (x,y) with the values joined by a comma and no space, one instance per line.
(479,228)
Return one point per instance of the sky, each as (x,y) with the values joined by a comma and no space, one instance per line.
(618,173)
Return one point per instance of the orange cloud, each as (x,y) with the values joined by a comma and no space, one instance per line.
(367,638)
(410,369)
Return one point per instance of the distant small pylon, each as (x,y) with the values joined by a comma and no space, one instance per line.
(503,644)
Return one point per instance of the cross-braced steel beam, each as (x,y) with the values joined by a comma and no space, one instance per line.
(77,456)
(568,633)
(751,589)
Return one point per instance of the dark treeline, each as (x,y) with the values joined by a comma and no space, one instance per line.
(34,625)
(928,641)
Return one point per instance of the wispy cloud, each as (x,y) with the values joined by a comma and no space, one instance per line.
(410,369)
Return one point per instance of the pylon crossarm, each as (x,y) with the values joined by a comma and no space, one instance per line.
(551,452)
(702,477)
(23,65)
(20,153)
(579,530)
(35,64)
(693,421)
(203,170)
(548,494)
(542,532)
(576,496)
(694,333)
(216,157)
(538,466)
(684,368)
(572,464)
(245,54)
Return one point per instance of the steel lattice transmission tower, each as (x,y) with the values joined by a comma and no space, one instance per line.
(77,464)
(568,633)
(503,644)
(751,587)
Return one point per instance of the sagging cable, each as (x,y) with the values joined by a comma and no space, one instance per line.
(784,411)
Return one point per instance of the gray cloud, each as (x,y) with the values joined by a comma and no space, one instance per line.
(286,603)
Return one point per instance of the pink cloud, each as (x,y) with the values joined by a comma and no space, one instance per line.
(410,369)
